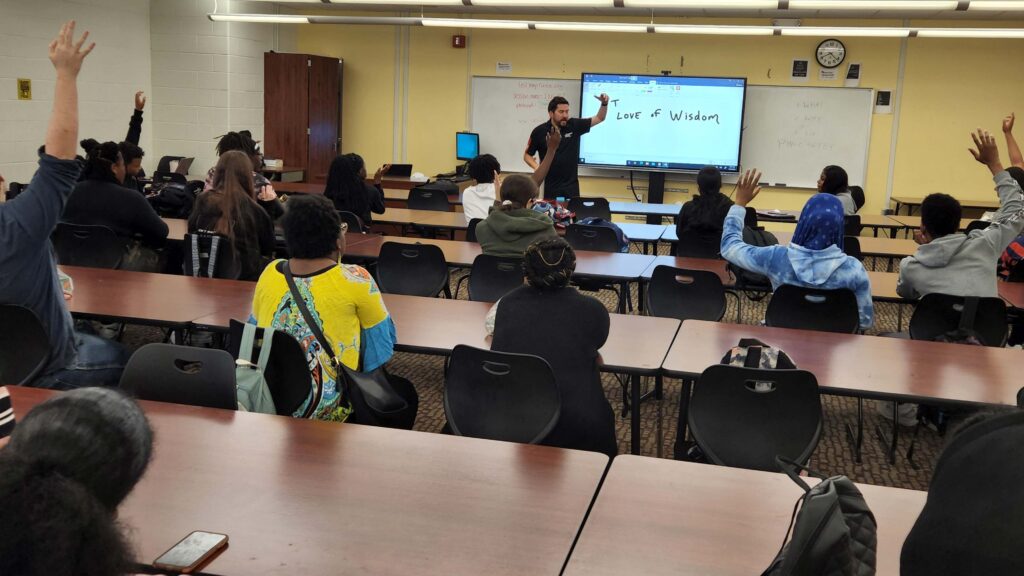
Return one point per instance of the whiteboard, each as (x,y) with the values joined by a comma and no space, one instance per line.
(789,132)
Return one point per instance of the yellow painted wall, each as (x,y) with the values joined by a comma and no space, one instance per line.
(950,86)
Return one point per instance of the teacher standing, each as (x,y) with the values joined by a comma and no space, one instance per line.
(562,179)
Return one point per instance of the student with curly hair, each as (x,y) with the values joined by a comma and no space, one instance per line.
(550,319)
(242,142)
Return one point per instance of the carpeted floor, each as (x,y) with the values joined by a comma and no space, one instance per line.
(833,455)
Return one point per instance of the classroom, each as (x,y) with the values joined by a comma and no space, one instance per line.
(511,287)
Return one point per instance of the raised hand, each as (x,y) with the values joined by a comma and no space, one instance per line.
(603,98)
(140,100)
(986,150)
(747,187)
(378,176)
(66,54)
(1008,123)
(553,139)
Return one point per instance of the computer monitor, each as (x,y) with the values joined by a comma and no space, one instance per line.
(467,145)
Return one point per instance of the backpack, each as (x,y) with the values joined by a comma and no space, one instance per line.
(557,212)
(250,384)
(620,236)
(833,531)
(964,334)
(1009,268)
(172,196)
(746,280)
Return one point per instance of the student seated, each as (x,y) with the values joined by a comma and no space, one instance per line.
(512,225)
(704,214)
(548,318)
(69,464)
(347,187)
(342,297)
(478,200)
(833,180)
(814,257)
(963,264)
(101,199)
(29,276)
(229,209)
(243,142)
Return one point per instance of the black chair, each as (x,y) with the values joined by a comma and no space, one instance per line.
(24,345)
(813,309)
(287,374)
(164,165)
(851,225)
(692,244)
(745,417)
(596,239)
(851,247)
(355,223)
(686,294)
(210,256)
(491,277)
(182,375)
(471,229)
(937,314)
(426,199)
(87,245)
(590,207)
(412,269)
(500,396)
(858,196)
(976,225)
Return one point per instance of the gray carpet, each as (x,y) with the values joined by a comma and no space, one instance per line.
(833,455)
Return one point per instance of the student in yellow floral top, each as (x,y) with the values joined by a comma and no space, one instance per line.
(342,298)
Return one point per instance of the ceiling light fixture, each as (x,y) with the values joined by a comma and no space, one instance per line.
(848,32)
(589,27)
(716,30)
(873,4)
(703,4)
(995,5)
(476,23)
(546,3)
(970,33)
(259,18)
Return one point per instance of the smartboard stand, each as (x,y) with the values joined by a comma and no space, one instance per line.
(655,193)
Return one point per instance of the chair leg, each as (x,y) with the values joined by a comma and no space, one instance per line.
(892,442)
(447,291)
(856,439)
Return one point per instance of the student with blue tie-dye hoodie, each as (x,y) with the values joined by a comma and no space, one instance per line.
(814,257)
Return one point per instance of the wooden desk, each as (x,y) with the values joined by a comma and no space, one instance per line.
(1013,293)
(911,201)
(870,245)
(645,233)
(863,366)
(278,172)
(661,517)
(176,228)
(876,221)
(305,497)
(445,220)
(914,222)
(298,188)
(644,209)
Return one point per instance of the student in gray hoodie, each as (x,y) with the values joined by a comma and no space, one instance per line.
(963,264)
(513,225)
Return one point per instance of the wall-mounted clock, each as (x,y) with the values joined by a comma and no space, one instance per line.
(830,53)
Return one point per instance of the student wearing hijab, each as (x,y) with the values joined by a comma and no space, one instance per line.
(814,257)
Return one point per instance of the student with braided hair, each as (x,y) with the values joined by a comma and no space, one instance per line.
(242,141)
(550,319)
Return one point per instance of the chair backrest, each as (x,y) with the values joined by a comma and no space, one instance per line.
(182,375)
(851,225)
(938,314)
(287,374)
(745,417)
(976,225)
(164,165)
(24,345)
(686,294)
(692,244)
(813,309)
(210,256)
(13,189)
(590,207)
(471,229)
(355,223)
(851,247)
(593,238)
(858,196)
(500,396)
(411,269)
(422,198)
(87,245)
(493,276)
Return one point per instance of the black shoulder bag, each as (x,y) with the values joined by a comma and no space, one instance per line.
(374,400)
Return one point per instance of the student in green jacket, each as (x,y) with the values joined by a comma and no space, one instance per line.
(512,224)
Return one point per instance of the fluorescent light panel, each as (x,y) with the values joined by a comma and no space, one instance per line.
(471,23)
(995,5)
(847,32)
(971,33)
(260,18)
(872,4)
(590,27)
(399,2)
(717,30)
(712,4)
(547,3)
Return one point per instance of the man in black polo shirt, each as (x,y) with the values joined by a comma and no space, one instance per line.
(562,179)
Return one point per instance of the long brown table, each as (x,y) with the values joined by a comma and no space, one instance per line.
(661,517)
(1013,293)
(915,201)
(305,497)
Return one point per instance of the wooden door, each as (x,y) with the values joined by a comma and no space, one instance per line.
(286,107)
(324,115)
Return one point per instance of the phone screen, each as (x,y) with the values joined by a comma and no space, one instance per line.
(190,550)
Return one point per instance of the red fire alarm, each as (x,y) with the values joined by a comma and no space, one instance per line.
(458,41)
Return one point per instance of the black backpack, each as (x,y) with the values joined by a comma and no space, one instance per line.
(833,531)
(172,196)
(745,279)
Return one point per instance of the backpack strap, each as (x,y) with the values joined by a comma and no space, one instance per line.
(245,345)
(211,262)
(314,327)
